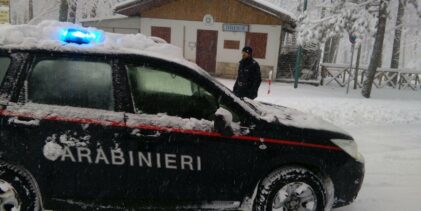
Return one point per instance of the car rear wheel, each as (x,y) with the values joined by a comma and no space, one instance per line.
(18,190)
(291,189)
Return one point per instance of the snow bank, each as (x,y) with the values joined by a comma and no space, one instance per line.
(386,107)
(356,112)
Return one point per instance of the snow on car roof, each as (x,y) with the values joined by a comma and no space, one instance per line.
(47,36)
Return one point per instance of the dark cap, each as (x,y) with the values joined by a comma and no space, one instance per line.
(248,50)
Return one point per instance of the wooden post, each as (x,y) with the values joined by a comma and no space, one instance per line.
(31,10)
(357,66)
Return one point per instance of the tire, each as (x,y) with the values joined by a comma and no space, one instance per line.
(21,188)
(272,193)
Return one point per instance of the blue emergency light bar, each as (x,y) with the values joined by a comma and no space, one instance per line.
(80,36)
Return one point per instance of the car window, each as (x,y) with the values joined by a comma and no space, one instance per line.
(151,80)
(157,91)
(4,65)
(69,82)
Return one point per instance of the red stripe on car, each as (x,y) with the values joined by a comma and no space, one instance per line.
(165,129)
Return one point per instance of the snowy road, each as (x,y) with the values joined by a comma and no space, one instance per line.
(393,168)
(387,129)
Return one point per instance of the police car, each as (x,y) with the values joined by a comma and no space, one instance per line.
(92,120)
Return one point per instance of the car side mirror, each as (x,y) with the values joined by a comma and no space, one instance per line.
(222,122)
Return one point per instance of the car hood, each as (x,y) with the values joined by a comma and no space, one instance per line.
(291,117)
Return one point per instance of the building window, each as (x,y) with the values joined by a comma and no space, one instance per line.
(258,41)
(161,32)
(232,44)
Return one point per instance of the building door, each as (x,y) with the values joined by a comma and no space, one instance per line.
(207,42)
(161,32)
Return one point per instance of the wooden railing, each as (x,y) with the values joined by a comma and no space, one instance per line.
(396,78)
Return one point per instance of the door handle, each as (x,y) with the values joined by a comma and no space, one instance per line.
(24,122)
(145,133)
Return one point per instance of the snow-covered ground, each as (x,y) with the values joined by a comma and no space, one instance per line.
(387,128)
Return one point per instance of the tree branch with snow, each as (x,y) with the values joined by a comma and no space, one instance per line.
(344,16)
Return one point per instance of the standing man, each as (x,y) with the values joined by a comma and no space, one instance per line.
(249,78)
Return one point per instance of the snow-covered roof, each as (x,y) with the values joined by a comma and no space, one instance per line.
(271,8)
(132,7)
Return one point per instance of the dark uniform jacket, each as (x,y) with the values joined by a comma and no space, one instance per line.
(248,79)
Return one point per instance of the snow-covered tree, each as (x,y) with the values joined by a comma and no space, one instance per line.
(339,17)
(30,11)
(64,10)
(96,8)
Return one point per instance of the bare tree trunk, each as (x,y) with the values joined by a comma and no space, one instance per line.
(398,35)
(31,10)
(377,49)
(64,10)
(357,66)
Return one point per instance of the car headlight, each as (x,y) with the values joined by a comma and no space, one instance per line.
(350,147)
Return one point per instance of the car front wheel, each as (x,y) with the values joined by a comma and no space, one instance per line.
(18,190)
(291,189)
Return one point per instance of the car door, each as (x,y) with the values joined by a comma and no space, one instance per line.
(177,155)
(65,128)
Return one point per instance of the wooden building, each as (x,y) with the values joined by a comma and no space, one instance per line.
(210,32)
